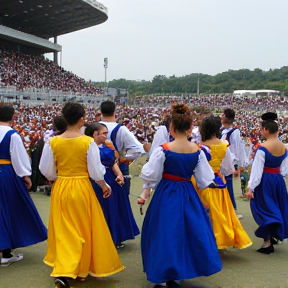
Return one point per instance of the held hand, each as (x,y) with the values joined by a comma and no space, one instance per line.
(236,173)
(144,196)
(249,195)
(145,193)
(106,189)
(27,182)
(146,146)
(120,179)
(140,201)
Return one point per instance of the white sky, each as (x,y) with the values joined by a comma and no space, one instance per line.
(144,38)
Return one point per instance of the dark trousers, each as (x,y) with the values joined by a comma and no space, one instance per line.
(244,181)
(6,253)
(229,180)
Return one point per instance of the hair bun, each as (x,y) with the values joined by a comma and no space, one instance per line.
(269,116)
(181,117)
(180,108)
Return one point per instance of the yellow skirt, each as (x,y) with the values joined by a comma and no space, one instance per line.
(79,241)
(226,226)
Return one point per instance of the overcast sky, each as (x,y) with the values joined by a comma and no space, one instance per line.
(144,38)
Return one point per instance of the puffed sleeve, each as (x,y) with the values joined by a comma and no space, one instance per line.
(95,168)
(47,164)
(237,148)
(152,171)
(129,142)
(257,170)
(284,167)
(204,174)
(227,164)
(207,152)
(161,136)
(19,157)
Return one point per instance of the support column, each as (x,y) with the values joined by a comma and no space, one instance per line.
(55,53)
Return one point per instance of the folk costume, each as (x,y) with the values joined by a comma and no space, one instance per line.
(236,146)
(185,248)
(79,241)
(20,223)
(269,204)
(116,208)
(227,228)
(129,148)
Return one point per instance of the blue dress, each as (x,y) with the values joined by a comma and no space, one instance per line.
(116,208)
(177,239)
(20,223)
(270,204)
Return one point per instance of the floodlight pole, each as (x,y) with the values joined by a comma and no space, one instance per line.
(105,74)
(105,69)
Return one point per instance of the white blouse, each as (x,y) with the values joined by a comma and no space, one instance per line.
(227,165)
(152,171)
(95,168)
(19,157)
(258,167)
(161,136)
(125,140)
(236,146)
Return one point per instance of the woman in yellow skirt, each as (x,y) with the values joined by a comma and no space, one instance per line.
(79,241)
(226,226)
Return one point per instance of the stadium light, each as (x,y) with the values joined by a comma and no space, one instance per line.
(105,67)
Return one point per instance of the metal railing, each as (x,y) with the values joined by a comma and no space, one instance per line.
(10,94)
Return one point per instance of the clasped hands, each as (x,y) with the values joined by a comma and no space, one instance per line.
(250,194)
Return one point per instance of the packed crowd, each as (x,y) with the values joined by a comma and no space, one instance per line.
(30,71)
(248,109)
(257,103)
(32,122)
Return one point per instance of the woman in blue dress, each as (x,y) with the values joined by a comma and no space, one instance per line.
(267,189)
(20,223)
(117,208)
(177,240)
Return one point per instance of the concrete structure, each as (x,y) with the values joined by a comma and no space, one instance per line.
(21,38)
(28,24)
(34,97)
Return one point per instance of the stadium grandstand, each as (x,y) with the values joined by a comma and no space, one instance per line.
(26,27)
(254,93)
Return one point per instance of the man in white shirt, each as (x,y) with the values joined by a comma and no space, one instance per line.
(124,141)
(126,144)
(232,135)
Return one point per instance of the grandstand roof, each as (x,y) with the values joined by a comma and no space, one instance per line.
(49,18)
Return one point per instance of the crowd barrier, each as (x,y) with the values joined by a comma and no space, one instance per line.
(32,96)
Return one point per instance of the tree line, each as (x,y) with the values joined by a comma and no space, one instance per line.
(225,82)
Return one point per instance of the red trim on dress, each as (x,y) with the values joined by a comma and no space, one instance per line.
(165,146)
(174,178)
(272,170)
